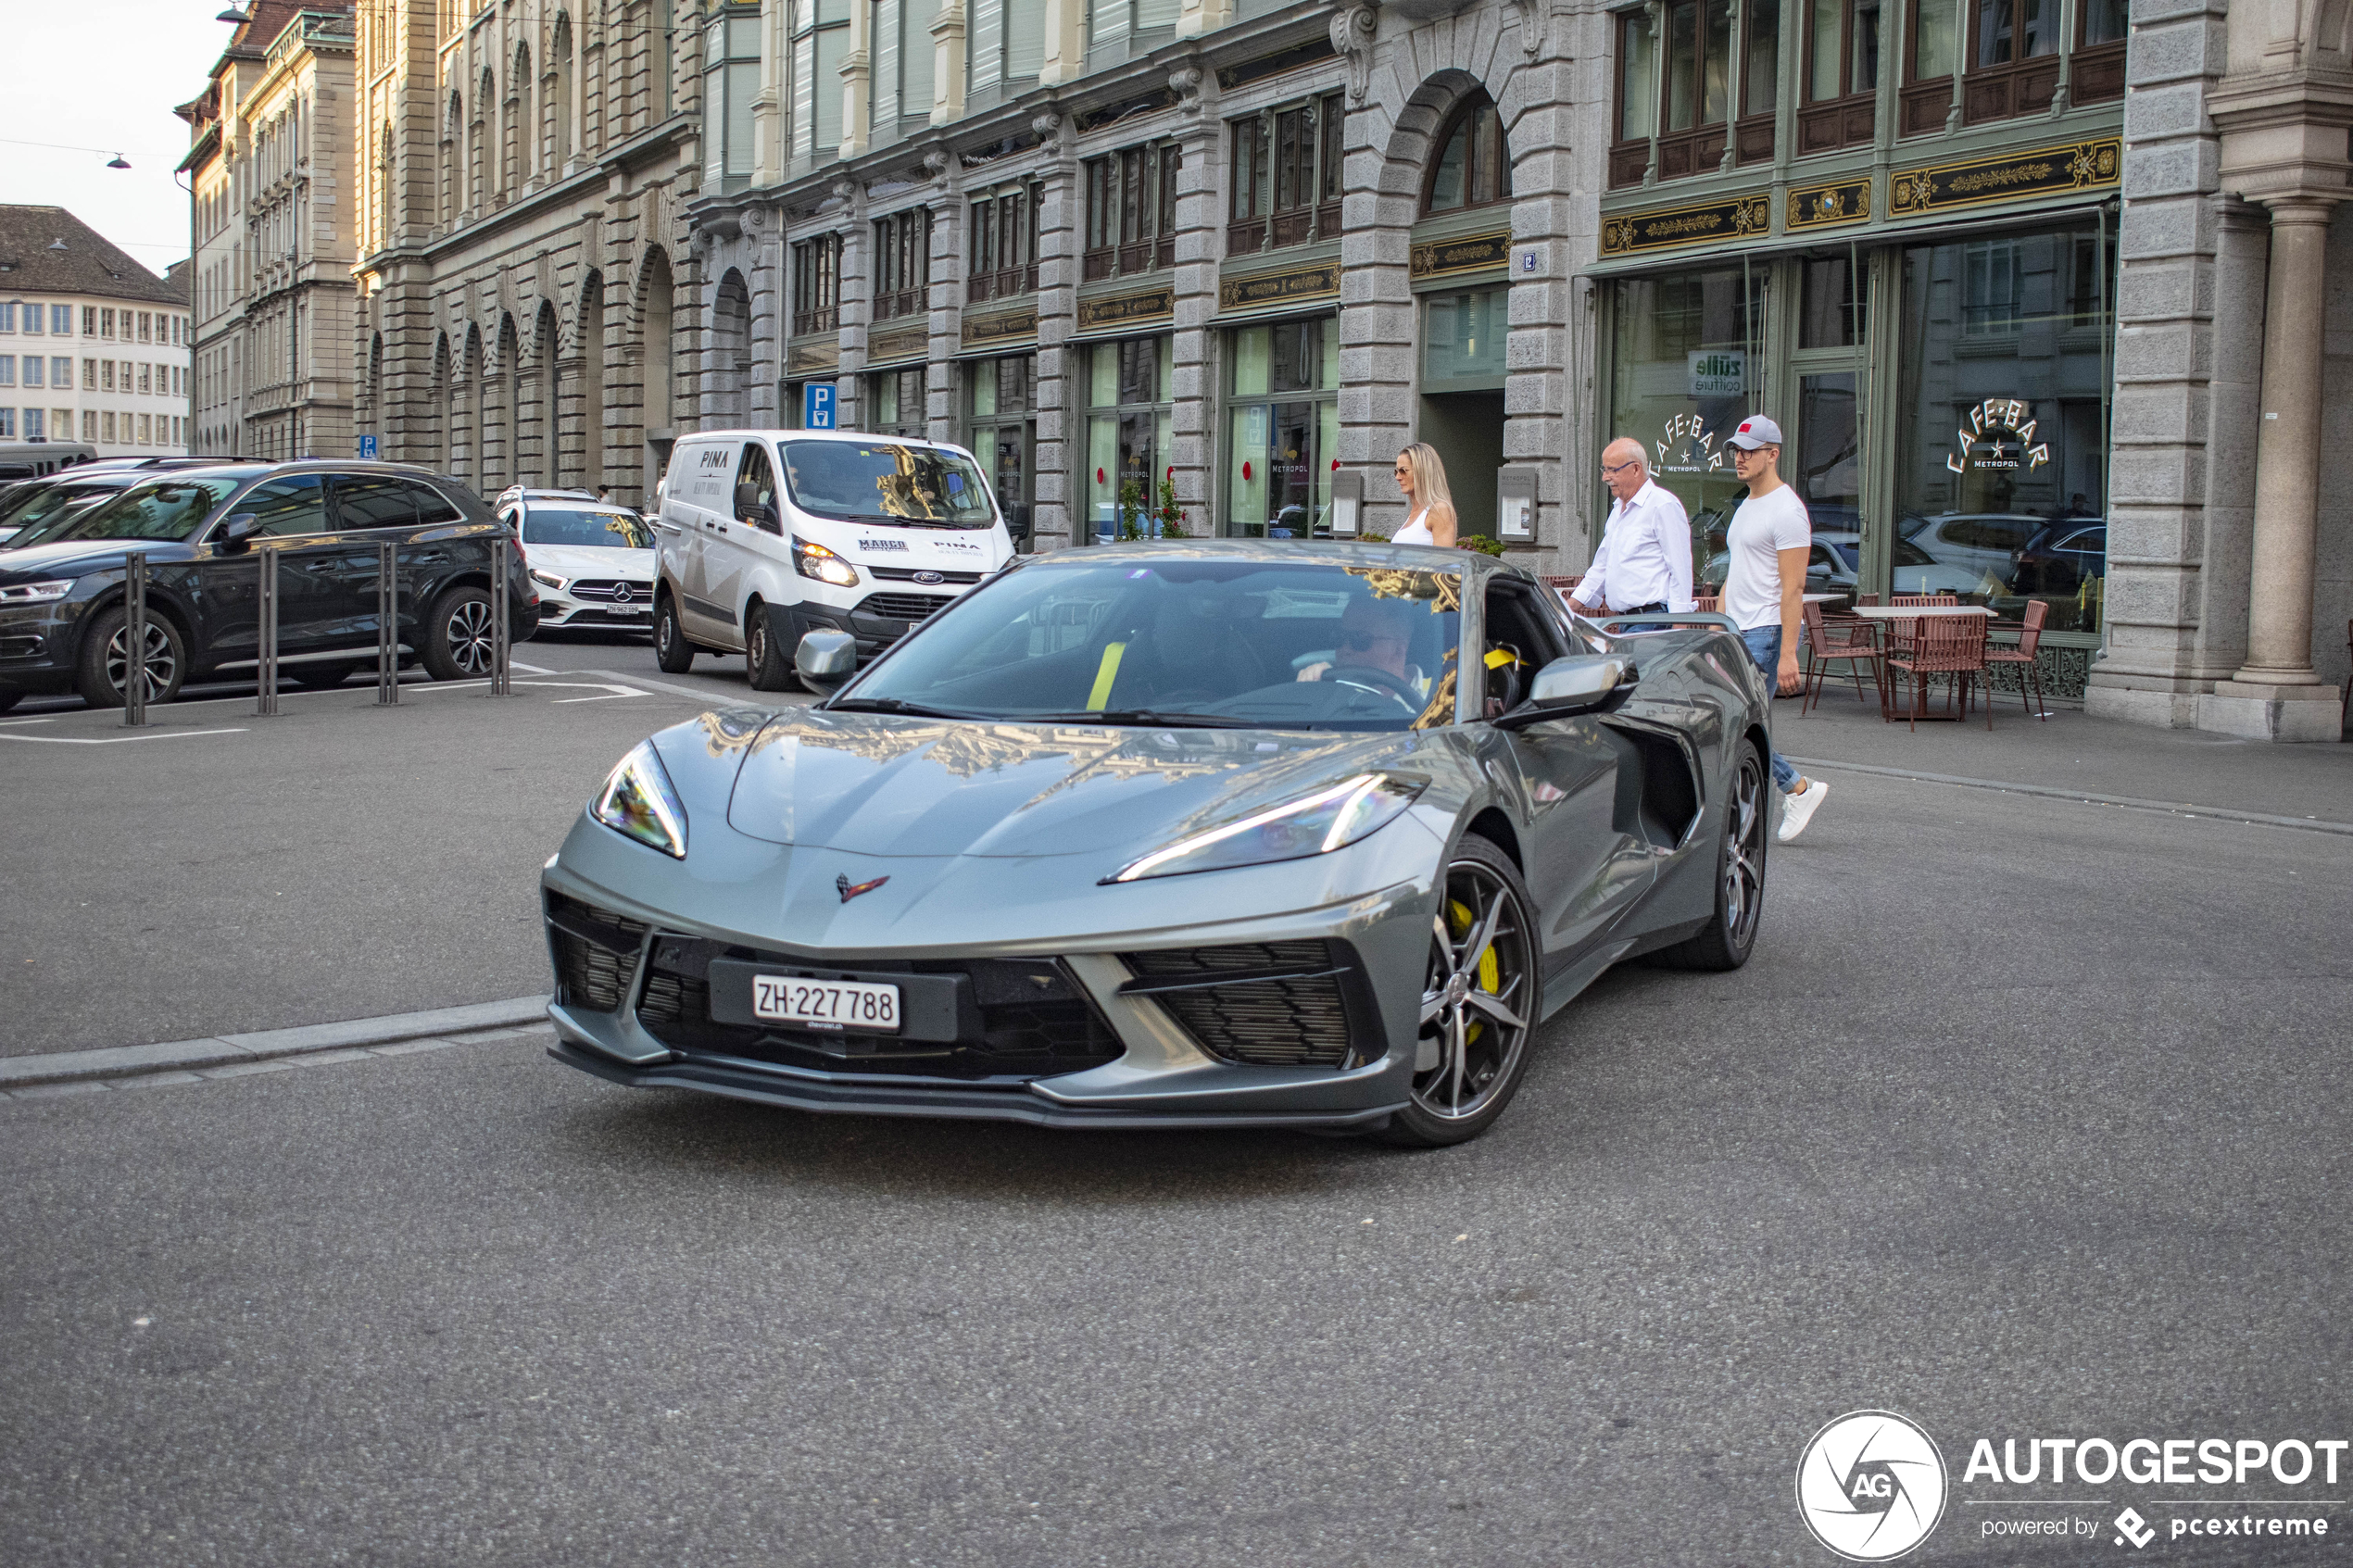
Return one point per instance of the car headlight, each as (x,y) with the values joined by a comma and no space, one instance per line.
(815,560)
(638,802)
(35,593)
(547,579)
(1314,825)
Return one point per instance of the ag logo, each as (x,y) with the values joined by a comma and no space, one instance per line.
(1871,1486)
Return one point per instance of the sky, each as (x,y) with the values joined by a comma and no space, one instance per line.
(104,74)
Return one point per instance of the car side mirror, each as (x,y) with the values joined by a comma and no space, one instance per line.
(1581,683)
(827,659)
(240,527)
(746,502)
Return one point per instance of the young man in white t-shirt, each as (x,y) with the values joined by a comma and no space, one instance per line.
(1768,541)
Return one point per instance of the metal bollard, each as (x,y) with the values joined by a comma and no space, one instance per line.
(266,631)
(500,654)
(387,626)
(135,638)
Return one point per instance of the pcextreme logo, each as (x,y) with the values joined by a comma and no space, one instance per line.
(1871,1486)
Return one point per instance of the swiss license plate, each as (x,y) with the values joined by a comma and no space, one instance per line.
(633,609)
(825,1004)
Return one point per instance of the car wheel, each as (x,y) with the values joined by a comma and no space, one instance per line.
(321,677)
(1480,1001)
(1739,872)
(672,652)
(458,644)
(770,672)
(106,652)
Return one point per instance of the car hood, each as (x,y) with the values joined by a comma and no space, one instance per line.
(884,784)
(592,562)
(81,555)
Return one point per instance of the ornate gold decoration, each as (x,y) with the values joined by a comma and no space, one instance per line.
(1737,218)
(2007,177)
(1847,201)
(1475,253)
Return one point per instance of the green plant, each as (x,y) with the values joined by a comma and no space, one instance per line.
(1171,516)
(1369,537)
(1481,543)
(1162,519)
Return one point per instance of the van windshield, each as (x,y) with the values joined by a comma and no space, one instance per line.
(885,482)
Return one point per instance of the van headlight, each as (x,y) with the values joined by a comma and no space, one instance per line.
(815,560)
(1314,825)
(638,802)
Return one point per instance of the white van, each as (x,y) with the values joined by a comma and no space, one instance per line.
(765,536)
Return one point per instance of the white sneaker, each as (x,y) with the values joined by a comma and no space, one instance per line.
(1798,809)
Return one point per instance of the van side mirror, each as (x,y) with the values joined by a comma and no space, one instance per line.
(746,502)
(240,527)
(1579,683)
(825,659)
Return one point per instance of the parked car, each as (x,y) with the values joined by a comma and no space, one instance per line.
(1085,851)
(764,535)
(63,624)
(593,561)
(2056,562)
(1835,562)
(1983,544)
(32,505)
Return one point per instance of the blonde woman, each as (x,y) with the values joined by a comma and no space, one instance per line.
(1430,505)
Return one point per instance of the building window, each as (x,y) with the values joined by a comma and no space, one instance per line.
(1473,167)
(1002,432)
(1130,416)
(902,264)
(1286,185)
(897,402)
(145,380)
(1282,413)
(1004,244)
(8,370)
(106,323)
(61,372)
(146,327)
(107,378)
(1841,73)
(731,82)
(2001,463)
(89,375)
(1679,379)
(1131,210)
(7,424)
(32,370)
(816,282)
(106,423)
(32,321)
(821,40)
(7,316)
(90,425)
(35,429)
(146,431)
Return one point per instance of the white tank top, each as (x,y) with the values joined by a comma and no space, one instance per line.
(1415,531)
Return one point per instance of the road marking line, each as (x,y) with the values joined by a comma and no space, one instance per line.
(118,740)
(2088,798)
(611,689)
(27,721)
(533,668)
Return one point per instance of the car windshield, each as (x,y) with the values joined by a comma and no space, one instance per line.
(1187,641)
(587,528)
(47,504)
(161,509)
(1909,554)
(885,482)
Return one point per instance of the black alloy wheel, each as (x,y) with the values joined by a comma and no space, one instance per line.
(100,674)
(1480,1001)
(1730,934)
(458,642)
(672,652)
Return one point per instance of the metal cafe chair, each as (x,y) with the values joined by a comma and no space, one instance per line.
(2029,675)
(1925,599)
(1951,645)
(1852,642)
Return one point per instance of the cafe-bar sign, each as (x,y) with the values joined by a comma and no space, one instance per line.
(1669,226)
(2000,434)
(1974,181)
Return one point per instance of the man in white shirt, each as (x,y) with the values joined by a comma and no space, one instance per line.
(1643,564)
(1768,541)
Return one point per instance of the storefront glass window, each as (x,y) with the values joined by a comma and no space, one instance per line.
(1463,347)
(1001,432)
(2001,456)
(1680,380)
(1129,398)
(897,401)
(1283,428)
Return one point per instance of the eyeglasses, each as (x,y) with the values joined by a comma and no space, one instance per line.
(1621,468)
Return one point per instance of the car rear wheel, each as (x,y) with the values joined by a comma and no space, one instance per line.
(1740,872)
(457,636)
(770,671)
(106,655)
(1481,999)
(672,652)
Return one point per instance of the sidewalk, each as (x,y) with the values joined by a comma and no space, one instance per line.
(2070,751)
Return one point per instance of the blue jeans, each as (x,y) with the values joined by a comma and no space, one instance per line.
(1765,646)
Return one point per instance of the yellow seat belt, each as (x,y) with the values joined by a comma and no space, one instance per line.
(1100,697)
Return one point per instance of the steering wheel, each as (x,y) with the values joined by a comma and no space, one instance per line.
(1371,678)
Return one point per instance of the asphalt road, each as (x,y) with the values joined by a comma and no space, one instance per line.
(2027,1119)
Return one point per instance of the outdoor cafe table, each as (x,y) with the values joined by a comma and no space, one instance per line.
(1916,612)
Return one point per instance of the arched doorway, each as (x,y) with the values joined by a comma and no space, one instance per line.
(730,351)
(654,314)
(499,464)
(1464,214)
(592,382)
(544,461)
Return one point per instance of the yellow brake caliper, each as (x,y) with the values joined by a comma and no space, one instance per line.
(1458,919)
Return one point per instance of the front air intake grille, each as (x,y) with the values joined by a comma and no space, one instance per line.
(899,607)
(911,574)
(596,950)
(1286,1004)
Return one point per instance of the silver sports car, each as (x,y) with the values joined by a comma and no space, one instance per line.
(1174,834)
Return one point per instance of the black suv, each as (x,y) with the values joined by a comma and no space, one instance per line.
(63,620)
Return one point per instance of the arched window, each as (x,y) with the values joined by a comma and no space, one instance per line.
(1474,166)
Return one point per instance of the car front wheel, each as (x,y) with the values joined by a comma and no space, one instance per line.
(769,669)
(672,652)
(1480,1001)
(100,674)
(458,642)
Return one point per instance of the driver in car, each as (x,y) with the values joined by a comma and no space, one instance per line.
(1374,635)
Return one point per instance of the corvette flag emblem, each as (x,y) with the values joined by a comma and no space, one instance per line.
(849,889)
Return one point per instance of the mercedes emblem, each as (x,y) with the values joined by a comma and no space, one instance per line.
(621,595)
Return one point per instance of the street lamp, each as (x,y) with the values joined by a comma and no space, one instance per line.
(234,16)
(118,163)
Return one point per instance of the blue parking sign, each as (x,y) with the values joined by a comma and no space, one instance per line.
(368,448)
(817,406)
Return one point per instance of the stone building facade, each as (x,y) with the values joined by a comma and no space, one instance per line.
(525,310)
(270,169)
